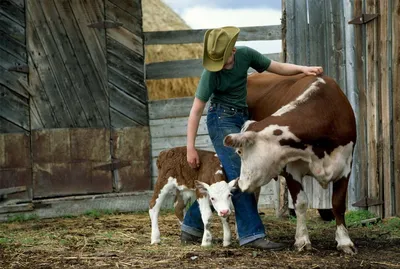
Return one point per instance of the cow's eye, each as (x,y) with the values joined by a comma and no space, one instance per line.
(212,199)
(230,195)
(239,151)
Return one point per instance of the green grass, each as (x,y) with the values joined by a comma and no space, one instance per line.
(22,217)
(98,213)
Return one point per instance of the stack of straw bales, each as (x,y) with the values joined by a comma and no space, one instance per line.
(157,16)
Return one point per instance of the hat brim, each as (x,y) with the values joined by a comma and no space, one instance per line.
(214,66)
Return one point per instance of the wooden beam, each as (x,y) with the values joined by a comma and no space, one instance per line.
(183,68)
(16,208)
(12,190)
(396,99)
(270,32)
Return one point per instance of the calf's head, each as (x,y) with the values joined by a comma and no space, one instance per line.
(264,154)
(219,194)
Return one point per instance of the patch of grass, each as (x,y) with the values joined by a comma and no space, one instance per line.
(358,215)
(22,217)
(69,217)
(98,213)
(5,240)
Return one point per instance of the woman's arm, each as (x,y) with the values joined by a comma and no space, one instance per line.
(293,69)
(193,125)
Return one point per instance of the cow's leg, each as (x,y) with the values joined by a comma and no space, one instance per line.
(179,206)
(227,232)
(205,210)
(160,192)
(293,180)
(339,207)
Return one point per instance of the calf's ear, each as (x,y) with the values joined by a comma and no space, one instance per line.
(202,187)
(240,139)
(234,184)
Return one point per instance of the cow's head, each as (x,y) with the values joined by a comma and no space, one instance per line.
(219,194)
(264,154)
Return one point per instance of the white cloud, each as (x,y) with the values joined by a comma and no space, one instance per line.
(201,17)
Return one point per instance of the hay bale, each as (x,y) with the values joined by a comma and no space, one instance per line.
(157,16)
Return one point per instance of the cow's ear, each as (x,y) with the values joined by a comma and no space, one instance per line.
(202,187)
(240,139)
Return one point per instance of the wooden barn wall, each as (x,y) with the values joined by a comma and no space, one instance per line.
(128,96)
(168,128)
(377,53)
(15,162)
(81,102)
(364,59)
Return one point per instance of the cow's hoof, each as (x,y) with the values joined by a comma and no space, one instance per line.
(302,245)
(155,242)
(348,249)
(226,244)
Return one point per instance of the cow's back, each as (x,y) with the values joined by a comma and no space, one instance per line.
(324,114)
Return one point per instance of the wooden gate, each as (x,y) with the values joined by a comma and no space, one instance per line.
(74,115)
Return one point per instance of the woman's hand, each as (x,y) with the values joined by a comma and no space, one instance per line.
(312,70)
(193,158)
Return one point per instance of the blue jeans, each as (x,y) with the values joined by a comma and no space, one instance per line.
(221,121)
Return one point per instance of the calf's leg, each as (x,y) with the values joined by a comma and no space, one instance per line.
(227,232)
(205,211)
(160,192)
(339,207)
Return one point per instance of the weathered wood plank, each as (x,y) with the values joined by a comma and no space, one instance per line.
(174,127)
(13,10)
(12,190)
(316,30)
(82,105)
(12,28)
(16,208)
(119,120)
(301,40)
(396,99)
(373,108)
(9,127)
(14,108)
(49,30)
(130,86)
(161,143)
(362,115)
(46,85)
(10,80)
(171,108)
(270,32)
(183,68)
(12,46)
(126,38)
(76,31)
(290,31)
(117,53)
(132,22)
(386,165)
(133,7)
(127,105)
(86,13)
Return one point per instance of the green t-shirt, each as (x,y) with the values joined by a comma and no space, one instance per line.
(229,87)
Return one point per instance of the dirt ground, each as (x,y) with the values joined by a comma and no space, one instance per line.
(123,241)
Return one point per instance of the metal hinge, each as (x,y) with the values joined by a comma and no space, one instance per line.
(367,202)
(114,165)
(363,18)
(105,24)
(20,69)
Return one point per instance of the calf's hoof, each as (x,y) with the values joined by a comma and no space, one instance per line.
(302,245)
(226,243)
(348,249)
(155,241)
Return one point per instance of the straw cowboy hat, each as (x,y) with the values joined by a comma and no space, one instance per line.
(218,46)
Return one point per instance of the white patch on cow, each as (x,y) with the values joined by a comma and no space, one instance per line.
(219,172)
(342,238)
(333,166)
(300,99)
(246,125)
(154,212)
(215,155)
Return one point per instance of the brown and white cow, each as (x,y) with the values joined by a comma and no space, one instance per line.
(303,125)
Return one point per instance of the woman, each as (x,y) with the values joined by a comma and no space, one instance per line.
(224,82)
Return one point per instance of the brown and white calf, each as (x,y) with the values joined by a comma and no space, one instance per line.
(303,125)
(207,183)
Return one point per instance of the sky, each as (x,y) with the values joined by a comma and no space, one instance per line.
(204,14)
